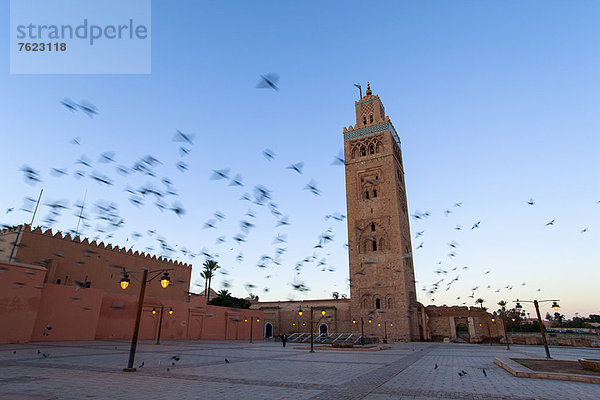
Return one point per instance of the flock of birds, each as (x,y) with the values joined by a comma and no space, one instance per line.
(446,282)
(101,219)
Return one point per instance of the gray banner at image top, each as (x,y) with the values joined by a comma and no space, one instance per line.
(80,37)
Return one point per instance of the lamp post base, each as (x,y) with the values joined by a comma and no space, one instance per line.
(129,370)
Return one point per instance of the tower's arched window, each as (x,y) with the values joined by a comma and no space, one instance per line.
(354,152)
(364,120)
(371,149)
(378,303)
(374,192)
(363,151)
(374,245)
(378,147)
(367,194)
(390,302)
(381,244)
(371,118)
(365,303)
(372,227)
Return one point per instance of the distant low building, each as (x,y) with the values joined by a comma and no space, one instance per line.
(213,294)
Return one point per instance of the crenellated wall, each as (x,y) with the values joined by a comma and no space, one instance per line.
(70,260)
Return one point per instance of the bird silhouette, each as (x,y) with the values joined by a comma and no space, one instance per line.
(267,81)
(69,104)
(296,167)
(312,187)
(183,137)
(88,108)
(339,159)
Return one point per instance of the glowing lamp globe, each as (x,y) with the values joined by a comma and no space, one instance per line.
(125,281)
(165,280)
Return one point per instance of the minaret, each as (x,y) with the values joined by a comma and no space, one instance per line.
(380,253)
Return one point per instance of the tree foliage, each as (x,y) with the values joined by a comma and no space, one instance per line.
(225,299)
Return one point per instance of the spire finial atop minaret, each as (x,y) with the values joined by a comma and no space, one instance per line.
(369,92)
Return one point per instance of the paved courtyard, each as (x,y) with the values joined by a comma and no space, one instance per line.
(265,370)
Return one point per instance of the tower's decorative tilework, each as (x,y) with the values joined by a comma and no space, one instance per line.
(369,101)
(369,130)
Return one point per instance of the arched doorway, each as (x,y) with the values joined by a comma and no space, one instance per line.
(268,330)
(323,329)
(462,333)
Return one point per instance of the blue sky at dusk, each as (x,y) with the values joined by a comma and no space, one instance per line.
(494,102)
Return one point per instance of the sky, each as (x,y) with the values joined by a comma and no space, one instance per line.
(495,103)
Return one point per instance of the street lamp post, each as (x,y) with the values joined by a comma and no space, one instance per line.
(505,334)
(312,350)
(555,306)
(125,281)
(362,330)
(299,315)
(162,309)
(385,338)
(251,322)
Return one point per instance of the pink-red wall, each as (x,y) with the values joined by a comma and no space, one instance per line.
(20,295)
(66,313)
(33,311)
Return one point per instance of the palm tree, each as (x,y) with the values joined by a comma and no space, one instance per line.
(210,266)
(503,304)
(480,301)
(204,275)
(223,293)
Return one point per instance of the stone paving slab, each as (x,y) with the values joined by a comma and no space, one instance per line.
(361,386)
(265,370)
(522,371)
(285,371)
(445,381)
